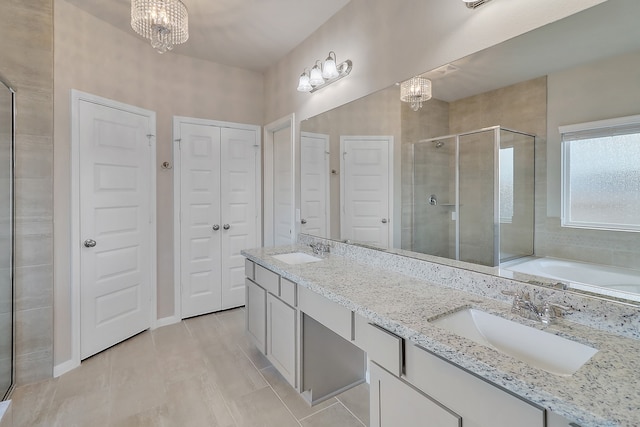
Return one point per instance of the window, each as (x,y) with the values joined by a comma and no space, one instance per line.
(601,174)
(506,185)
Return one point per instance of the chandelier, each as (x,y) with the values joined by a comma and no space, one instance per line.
(164,22)
(416,90)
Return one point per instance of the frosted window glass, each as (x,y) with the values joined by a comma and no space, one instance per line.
(602,182)
(506,185)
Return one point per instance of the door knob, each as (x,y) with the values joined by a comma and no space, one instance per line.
(216,227)
(303,221)
(384,220)
(226,226)
(89,243)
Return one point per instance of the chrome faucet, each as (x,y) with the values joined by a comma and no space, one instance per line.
(320,248)
(526,307)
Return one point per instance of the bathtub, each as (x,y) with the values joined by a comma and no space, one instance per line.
(612,281)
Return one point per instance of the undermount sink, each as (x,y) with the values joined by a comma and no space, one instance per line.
(297,258)
(541,349)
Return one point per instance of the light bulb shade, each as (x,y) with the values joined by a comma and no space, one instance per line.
(415,91)
(303,83)
(329,69)
(164,22)
(315,78)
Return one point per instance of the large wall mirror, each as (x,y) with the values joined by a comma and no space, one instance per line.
(7,136)
(473,177)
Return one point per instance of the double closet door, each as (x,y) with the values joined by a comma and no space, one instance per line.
(218,200)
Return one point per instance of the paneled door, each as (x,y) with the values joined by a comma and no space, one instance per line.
(218,189)
(116,212)
(366,189)
(200,223)
(314,184)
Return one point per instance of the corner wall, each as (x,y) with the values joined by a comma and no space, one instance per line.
(26,60)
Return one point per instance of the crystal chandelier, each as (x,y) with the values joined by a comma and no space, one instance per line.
(164,22)
(416,90)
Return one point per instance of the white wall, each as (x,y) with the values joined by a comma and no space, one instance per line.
(95,57)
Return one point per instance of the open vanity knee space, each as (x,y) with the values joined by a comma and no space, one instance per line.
(332,324)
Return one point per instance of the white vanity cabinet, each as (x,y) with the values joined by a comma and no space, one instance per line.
(271,322)
(396,403)
(281,337)
(479,403)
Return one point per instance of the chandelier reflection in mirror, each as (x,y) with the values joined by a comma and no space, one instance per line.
(323,74)
(164,22)
(416,90)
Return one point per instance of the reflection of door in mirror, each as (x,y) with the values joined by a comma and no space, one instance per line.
(6,239)
(314,184)
(366,191)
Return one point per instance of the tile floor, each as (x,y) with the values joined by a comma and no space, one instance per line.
(200,372)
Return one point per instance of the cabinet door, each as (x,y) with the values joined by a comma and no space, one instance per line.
(479,403)
(281,337)
(396,403)
(256,316)
(239,191)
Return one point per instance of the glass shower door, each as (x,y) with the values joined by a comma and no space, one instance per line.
(6,239)
(434,166)
(478,227)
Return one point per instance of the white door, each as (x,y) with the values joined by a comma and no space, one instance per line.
(314,184)
(200,219)
(240,174)
(366,189)
(117,253)
(218,193)
(282,187)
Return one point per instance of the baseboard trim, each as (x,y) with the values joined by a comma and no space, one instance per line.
(64,367)
(166,321)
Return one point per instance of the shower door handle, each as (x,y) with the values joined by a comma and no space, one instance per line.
(384,220)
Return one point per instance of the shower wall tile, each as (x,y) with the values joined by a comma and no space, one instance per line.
(27,63)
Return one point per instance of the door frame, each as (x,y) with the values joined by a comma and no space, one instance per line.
(327,163)
(390,140)
(267,185)
(177,194)
(76,97)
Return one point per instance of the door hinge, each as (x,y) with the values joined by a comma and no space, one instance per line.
(179,141)
(149,136)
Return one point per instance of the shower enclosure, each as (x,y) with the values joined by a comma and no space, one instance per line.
(7,125)
(473,196)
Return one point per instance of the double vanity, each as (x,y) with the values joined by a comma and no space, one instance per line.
(441,346)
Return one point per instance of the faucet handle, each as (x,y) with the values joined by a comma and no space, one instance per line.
(552,310)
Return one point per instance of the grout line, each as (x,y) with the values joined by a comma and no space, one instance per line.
(269,384)
(320,410)
(349,410)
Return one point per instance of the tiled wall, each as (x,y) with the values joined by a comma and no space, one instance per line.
(26,28)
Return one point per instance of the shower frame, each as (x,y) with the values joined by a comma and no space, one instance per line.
(496,184)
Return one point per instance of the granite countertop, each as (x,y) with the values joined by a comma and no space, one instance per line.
(603,392)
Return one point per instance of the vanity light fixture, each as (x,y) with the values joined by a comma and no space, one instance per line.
(416,90)
(323,74)
(164,22)
(472,4)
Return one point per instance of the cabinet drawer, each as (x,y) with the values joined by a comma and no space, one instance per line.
(382,346)
(267,279)
(328,313)
(248,269)
(478,402)
(288,291)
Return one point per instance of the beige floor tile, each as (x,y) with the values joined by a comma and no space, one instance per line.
(296,404)
(31,403)
(335,415)
(195,402)
(201,372)
(262,408)
(233,373)
(356,400)
(81,410)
